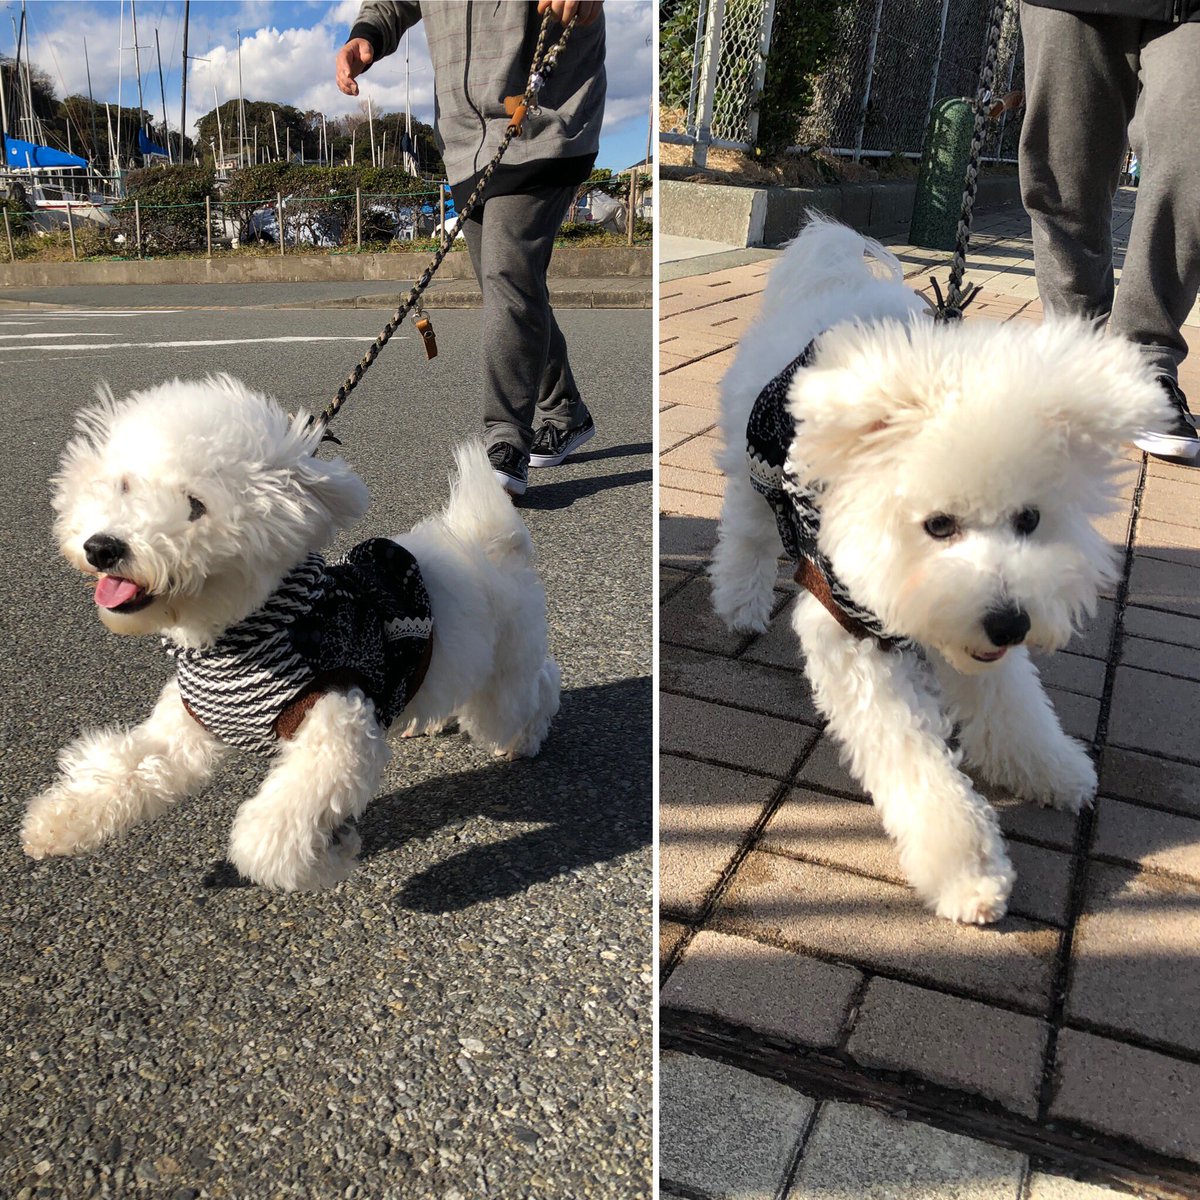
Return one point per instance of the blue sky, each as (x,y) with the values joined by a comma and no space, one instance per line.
(287,56)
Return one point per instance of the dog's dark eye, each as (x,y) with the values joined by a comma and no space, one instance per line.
(941,526)
(1026,521)
(124,486)
(198,509)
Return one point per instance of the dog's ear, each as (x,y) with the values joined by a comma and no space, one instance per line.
(334,492)
(849,416)
(1098,390)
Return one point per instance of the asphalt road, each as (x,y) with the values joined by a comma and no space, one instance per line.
(470,1014)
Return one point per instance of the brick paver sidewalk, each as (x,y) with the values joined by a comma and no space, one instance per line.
(802,979)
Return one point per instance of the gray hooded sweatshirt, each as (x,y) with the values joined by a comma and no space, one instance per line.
(481,51)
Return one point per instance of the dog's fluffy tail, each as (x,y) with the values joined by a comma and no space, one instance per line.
(480,511)
(827,255)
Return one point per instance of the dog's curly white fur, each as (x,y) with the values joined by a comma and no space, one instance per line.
(214,493)
(993,426)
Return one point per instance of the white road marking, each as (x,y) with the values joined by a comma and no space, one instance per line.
(356,337)
(8,337)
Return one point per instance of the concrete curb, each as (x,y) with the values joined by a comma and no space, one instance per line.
(769,216)
(569,262)
(603,293)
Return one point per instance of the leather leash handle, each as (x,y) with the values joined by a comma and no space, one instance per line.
(428,337)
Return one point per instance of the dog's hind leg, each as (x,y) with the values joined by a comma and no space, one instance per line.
(113,779)
(288,837)
(895,735)
(1011,734)
(511,714)
(746,560)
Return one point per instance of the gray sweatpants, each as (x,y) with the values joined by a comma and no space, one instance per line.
(527,380)
(1081,102)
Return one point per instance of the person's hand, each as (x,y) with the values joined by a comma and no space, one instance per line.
(352,60)
(586,10)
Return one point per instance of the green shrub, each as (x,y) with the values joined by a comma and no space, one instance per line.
(171,203)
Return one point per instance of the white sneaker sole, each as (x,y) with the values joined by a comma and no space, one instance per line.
(552,460)
(1165,445)
(514,487)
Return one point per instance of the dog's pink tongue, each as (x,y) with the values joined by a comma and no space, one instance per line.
(112,591)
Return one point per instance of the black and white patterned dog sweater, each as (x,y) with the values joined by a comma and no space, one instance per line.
(797,505)
(362,622)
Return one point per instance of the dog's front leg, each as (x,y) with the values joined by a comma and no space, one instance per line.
(746,559)
(113,779)
(896,736)
(1012,736)
(288,837)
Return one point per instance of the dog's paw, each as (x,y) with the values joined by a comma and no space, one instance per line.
(283,865)
(57,824)
(1069,781)
(976,899)
(753,616)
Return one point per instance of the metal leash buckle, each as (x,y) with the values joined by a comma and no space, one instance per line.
(425,329)
(537,81)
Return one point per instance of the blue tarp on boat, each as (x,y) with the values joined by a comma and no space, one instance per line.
(147,148)
(23,155)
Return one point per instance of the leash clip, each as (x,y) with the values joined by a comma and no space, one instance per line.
(425,328)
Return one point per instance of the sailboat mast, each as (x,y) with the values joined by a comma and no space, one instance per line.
(162,91)
(91,101)
(137,59)
(120,65)
(220,135)
(183,85)
(241,107)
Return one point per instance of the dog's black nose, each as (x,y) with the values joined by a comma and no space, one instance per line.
(104,551)
(1006,626)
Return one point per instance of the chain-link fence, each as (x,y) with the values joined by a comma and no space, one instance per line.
(895,59)
(709,96)
(888,63)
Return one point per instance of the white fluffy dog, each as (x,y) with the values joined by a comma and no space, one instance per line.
(200,506)
(953,470)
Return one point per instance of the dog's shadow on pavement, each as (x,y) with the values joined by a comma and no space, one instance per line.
(589,791)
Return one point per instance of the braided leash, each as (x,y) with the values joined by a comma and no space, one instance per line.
(540,69)
(951,308)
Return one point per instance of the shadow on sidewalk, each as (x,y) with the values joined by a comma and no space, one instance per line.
(589,790)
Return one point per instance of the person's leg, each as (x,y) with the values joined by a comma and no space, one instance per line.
(559,402)
(563,421)
(1161,274)
(510,250)
(1080,90)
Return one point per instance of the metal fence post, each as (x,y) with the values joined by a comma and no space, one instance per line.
(935,70)
(137,224)
(12,254)
(631,215)
(208,225)
(708,81)
(866,100)
(71,231)
(358,215)
(760,71)
(689,117)
(441,208)
(279,220)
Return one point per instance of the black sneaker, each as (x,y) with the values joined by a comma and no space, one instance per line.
(551,444)
(1179,442)
(510,466)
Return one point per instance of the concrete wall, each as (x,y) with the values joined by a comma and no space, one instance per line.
(768,216)
(569,262)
